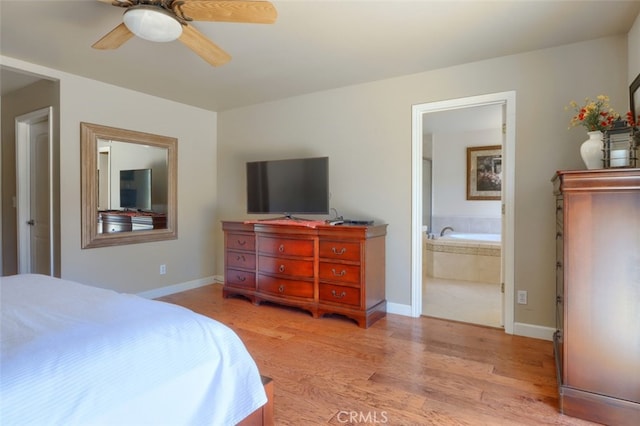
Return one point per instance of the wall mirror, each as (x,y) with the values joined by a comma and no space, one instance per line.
(129,186)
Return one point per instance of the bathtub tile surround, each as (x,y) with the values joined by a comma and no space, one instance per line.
(479,225)
(461,259)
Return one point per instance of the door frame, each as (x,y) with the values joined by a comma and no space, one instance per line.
(23,203)
(508,100)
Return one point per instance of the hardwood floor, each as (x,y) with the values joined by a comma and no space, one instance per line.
(400,371)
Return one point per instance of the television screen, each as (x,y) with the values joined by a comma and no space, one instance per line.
(297,186)
(135,189)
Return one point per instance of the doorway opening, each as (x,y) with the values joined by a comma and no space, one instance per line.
(462,231)
(504,103)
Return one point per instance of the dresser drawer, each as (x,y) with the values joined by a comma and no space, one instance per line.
(243,279)
(108,227)
(241,242)
(340,250)
(339,294)
(340,272)
(285,247)
(283,287)
(239,259)
(283,266)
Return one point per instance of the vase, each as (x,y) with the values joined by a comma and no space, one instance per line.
(591,150)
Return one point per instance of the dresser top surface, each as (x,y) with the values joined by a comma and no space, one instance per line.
(305,227)
(597,180)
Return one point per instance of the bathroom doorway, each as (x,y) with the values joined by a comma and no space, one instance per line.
(451,121)
(461,253)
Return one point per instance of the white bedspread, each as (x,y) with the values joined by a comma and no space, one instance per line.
(75,354)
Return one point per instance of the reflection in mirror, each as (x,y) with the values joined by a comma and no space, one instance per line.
(128,186)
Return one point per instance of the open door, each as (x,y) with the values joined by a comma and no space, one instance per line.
(504,229)
(34,135)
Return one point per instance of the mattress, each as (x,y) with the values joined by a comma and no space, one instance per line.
(76,354)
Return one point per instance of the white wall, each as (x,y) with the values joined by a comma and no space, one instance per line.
(450,174)
(135,268)
(366,132)
(633,40)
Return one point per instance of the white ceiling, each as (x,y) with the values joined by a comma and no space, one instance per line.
(313,46)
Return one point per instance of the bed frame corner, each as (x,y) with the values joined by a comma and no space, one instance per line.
(263,416)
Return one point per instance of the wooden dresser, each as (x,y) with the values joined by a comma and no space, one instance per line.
(323,269)
(128,220)
(597,342)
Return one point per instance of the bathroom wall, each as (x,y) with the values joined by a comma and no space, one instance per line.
(450,204)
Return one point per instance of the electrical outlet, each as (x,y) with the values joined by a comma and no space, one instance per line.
(163,269)
(522,297)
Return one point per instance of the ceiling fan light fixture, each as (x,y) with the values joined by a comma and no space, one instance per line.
(152,23)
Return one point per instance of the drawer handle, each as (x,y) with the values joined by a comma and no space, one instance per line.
(558,265)
(281,288)
(338,296)
(281,248)
(558,235)
(335,251)
(242,242)
(281,268)
(241,257)
(558,208)
(241,278)
(340,274)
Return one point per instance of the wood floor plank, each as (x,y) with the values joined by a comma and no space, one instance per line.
(399,371)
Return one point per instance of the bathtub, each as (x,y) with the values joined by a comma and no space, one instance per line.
(463,256)
(472,238)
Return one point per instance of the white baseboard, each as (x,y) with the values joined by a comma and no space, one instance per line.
(398,309)
(533,331)
(519,328)
(176,288)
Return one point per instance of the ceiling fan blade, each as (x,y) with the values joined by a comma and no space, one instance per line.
(249,11)
(203,47)
(114,39)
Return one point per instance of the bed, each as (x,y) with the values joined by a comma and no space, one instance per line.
(76,354)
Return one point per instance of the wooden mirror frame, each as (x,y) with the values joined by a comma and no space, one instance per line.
(89,136)
(634,97)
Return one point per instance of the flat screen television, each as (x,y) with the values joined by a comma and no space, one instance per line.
(296,186)
(135,189)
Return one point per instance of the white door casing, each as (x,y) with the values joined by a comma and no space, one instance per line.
(507,99)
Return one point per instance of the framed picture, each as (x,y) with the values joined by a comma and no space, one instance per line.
(484,172)
(634,98)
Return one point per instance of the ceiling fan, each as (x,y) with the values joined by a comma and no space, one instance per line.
(168,20)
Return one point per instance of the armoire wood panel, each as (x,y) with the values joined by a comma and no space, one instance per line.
(597,340)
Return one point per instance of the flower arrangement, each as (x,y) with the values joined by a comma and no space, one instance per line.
(631,120)
(593,115)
